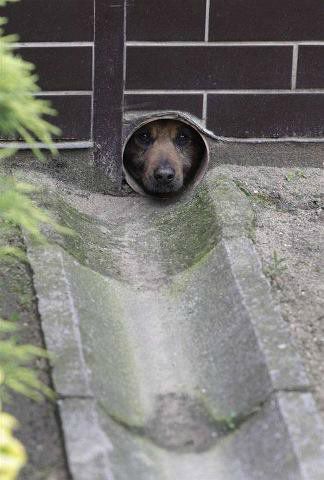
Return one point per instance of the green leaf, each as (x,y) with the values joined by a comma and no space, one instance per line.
(21,113)
(7,326)
(16,373)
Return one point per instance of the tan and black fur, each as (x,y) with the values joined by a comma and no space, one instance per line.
(163,156)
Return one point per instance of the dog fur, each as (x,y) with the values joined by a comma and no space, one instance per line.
(163,156)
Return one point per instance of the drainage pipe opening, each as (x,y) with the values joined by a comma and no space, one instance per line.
(164,156)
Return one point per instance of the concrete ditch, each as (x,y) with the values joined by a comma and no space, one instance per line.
(170,358)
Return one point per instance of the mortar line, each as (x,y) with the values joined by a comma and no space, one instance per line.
(261,140)
(89,144)
(294,67)
(51,44)
(136,43)
(163,92)
(260,91)
(207,20)
(93,70)
(125,46)
(60,145)
(204,112)
(62,93)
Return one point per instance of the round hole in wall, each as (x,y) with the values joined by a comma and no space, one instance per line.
(163,157)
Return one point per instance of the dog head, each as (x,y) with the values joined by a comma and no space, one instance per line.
(163,156)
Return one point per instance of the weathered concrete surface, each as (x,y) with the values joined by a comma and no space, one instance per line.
(189,362)
(39,424)
(60,323)
(88,448)
(263,448)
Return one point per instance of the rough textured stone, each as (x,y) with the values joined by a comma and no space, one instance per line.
(169,301)
(87,446)
(260,449)
(60,321)
(301,417)
(283,364)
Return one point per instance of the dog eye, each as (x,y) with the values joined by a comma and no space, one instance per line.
(183,138)
(144,136)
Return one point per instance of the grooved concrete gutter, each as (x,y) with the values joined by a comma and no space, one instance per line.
(171,359)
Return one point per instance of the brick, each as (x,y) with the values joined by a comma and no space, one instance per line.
(269,115)
(61,68)
(208,67)
(310,67)
(74,116)
(51,20)
(264,20)
(168,20)
(184,103)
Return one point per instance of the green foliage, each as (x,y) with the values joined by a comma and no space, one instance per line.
(21,113)
(21,116)
(16,207)
(275,268)
(295,175)
(15,361)
(4,2)
(12,453)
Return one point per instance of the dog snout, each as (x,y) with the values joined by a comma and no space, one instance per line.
(164,174)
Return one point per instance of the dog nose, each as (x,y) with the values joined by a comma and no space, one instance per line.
(164,174)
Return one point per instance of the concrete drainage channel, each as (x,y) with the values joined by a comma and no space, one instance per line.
(170,358)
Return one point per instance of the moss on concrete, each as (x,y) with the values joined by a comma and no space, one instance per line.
(233,209)
(187,232)
(39,427)
(16,291)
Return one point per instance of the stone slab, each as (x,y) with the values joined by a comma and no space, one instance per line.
(198,331)
(87,447)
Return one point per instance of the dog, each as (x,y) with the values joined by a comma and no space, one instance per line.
(163,156)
